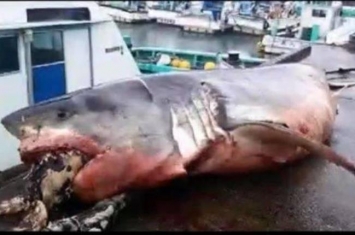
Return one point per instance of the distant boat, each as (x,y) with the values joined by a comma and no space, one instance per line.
(321,22)
(126,11)
(259,18)
(160,60)
(164,12)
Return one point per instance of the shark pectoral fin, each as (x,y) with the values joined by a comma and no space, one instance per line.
(269,132)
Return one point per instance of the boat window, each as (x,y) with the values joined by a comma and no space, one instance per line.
(9,60)
(318,13)
(47,48)
(57,14)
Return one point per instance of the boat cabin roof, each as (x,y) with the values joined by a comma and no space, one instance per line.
(22,14)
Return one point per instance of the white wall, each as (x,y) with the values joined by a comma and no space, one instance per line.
(13,96)
(110,66)
(77,71)
(325,24)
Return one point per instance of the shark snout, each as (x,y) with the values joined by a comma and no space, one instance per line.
(11,124)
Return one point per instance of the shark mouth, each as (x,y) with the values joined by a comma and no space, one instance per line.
(57,142)
(55,157)
(48,185)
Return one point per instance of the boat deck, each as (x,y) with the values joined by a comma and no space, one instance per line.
(201,24)
(284,22)
(126,14)
(310,195)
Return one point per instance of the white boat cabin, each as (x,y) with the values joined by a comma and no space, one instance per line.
(48,49)
(126,11)
(321,17)
(164,12)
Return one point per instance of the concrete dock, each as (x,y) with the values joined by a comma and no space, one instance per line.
(310,195)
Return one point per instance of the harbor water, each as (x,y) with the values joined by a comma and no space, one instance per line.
(155,35)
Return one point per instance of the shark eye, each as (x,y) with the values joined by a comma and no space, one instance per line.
(62,114)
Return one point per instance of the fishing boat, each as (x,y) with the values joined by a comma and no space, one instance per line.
(126,11)
(211,18)
(164,12)
(191,16)
(258,18)
(280,45)
(243,19)
(48,49)
(321,22)
(159,60)
(343,34)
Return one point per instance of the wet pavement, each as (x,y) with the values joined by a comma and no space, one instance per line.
(309,195)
